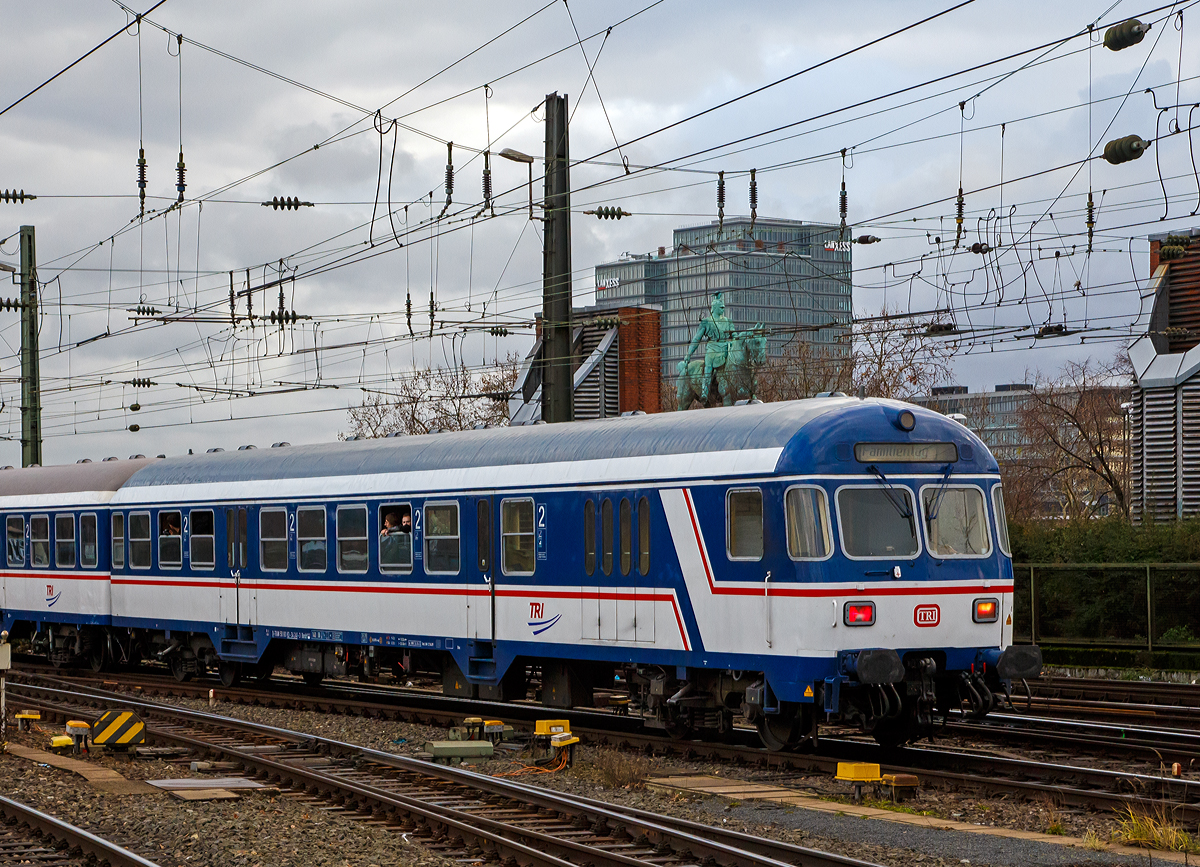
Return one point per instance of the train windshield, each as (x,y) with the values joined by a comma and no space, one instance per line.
(956,522)
(877,522)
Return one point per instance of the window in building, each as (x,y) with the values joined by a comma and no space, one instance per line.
(273,540)
(395,537)
(310,539)
(352,539)
(626,517)
(202,546)
(170,542)
(118,540)
(807,523)
(441,539)
(16,540)
(744,511)
(64,541)
(139,540)
(516,530)
(89,553)
(589,536)
(644,536)
(606,536)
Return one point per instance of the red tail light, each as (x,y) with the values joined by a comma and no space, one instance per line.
(859,614)
(986,610)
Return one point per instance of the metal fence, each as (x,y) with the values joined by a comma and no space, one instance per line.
(1155,606)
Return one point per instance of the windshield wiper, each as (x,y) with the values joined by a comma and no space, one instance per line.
(932,512)
(890,492)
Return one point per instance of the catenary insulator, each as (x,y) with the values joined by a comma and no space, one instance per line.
(487,179)
(1091,219)
(15,196)
(1126,34)
(958,217)
(180,173)
(449,178)
(753,192)
(1167,252)
(720,202)
(432,308)
(408,312)
(141,182)
(981,247)
(866,239)
(1122,150)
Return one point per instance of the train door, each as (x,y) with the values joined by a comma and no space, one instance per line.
(238,594)
(482,574)
(643,616)
(626,620)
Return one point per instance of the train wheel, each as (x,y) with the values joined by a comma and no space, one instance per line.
(97,657)
(313,678)
(781,731)
(178,671)
(263,670)
(230,673)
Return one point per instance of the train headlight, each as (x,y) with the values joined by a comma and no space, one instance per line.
(986,611)
(905,420)
(859,614)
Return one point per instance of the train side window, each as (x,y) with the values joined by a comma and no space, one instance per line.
(395,537)
(483,534)
(352,539)
(88,546)
(310,539)
(626,536)
(118,540)
(517,539)
(441,538)
(273,540)
(589,536)
(644,536)
(202,545)
(16,540)
(139,540)
(606,536)
(39,540)
(807,523)
(744,525)
(170,542)
(955,521)
(1001,520)
(64,541)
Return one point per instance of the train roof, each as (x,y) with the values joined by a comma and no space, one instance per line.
(756,439)
(71,484)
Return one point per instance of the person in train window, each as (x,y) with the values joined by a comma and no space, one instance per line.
(395,540)
(171,526)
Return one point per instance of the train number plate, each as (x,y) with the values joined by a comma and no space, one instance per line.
(927,615)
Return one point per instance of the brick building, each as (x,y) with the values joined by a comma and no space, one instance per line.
(616,359)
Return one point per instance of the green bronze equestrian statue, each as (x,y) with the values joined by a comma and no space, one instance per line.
(730,358)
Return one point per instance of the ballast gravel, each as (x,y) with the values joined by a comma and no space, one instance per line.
(875,840)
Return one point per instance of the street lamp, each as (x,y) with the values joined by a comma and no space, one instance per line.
(518,157)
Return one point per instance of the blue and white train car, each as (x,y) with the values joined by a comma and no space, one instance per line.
(781,562)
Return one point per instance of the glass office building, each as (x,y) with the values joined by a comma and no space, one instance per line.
(791,276)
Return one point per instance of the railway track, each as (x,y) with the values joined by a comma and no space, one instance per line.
(29,836)
(1112,700)
(959,770)
(456,813)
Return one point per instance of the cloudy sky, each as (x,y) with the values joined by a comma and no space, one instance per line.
(278,99)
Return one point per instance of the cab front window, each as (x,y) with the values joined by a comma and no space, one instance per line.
(877,522)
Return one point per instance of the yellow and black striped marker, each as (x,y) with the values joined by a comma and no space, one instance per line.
(118,728)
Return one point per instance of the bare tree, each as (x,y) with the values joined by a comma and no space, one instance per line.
(1075,457)
(438,398)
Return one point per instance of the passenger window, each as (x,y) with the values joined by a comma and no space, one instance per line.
(170,542)
(956,522)
(807,524)
(644,536)
(310,540)
(64,541)
(745,524)
(441,538)
(236,542)
(139,540)
(88,553)
(589,536)
(395,537)
(273,540)
(483,534)
(202,545)
(606,536)
(39,539)
(352,539)
(517,538)
(16,540)
(1001,520)
(626,536)
(118,540)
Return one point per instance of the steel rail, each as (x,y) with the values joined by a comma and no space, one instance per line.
(75,838)
(698,842)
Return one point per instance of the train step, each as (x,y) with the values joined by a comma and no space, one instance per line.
(235,650)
